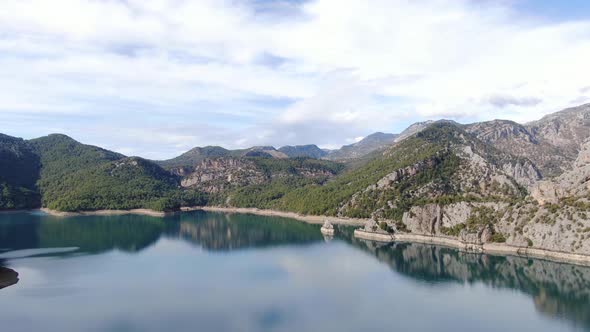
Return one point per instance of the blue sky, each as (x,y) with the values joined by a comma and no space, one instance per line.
(157,77)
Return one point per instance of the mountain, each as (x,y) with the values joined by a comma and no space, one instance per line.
(413,129)
(571,186)
(309,151)
(442,162)
(61,155)
(19,171)
(255,181)
(194,156)
(60,173)
(363,147)
(126,183)
(198,154)
(552,142)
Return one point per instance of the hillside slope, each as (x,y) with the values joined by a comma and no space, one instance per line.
(19,171)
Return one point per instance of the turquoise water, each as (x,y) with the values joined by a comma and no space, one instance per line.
(216,272)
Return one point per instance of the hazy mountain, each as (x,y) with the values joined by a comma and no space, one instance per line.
(363,147)
(310,151)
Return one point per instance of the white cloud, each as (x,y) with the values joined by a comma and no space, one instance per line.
(341,69)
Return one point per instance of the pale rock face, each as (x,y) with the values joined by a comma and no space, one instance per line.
(524,174)
(575,182)
(583,159)
(455,214)
(545,192)
(371,226)
(423,219)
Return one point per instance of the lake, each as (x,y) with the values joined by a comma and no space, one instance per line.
(202,271)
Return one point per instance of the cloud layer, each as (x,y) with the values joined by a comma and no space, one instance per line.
(157,77)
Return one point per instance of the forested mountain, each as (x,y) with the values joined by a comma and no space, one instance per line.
(60,173)
(19,171)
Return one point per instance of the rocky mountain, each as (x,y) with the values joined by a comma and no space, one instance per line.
(573,184)
(363,147)
(445,181)
(552,143)
(413,129)
(309,151)
(254,181)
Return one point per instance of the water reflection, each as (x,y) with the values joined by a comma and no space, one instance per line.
(216,231)
(133,233)
(558,290)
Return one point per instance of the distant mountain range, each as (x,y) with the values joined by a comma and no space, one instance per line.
(365,146)
(524,184)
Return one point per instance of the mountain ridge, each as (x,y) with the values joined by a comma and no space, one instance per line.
(527,185)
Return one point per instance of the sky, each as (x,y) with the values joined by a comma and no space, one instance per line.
(155,78)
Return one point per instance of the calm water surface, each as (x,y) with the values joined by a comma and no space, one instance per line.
(216,272)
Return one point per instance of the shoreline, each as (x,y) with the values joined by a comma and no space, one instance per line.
(490,248)
(145,212)
(486,248)
(316,220)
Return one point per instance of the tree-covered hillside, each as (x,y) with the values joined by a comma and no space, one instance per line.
(427,167)
(19,171)
(60,173)
(127,183)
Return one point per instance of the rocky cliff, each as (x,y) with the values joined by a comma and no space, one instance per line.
(551,143)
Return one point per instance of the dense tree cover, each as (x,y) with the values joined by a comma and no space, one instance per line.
(294,166)
(123,184)
(19,171)
(12,197)
(60,173)
(61,155)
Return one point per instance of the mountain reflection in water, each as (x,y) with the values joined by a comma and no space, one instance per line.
(558,290)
